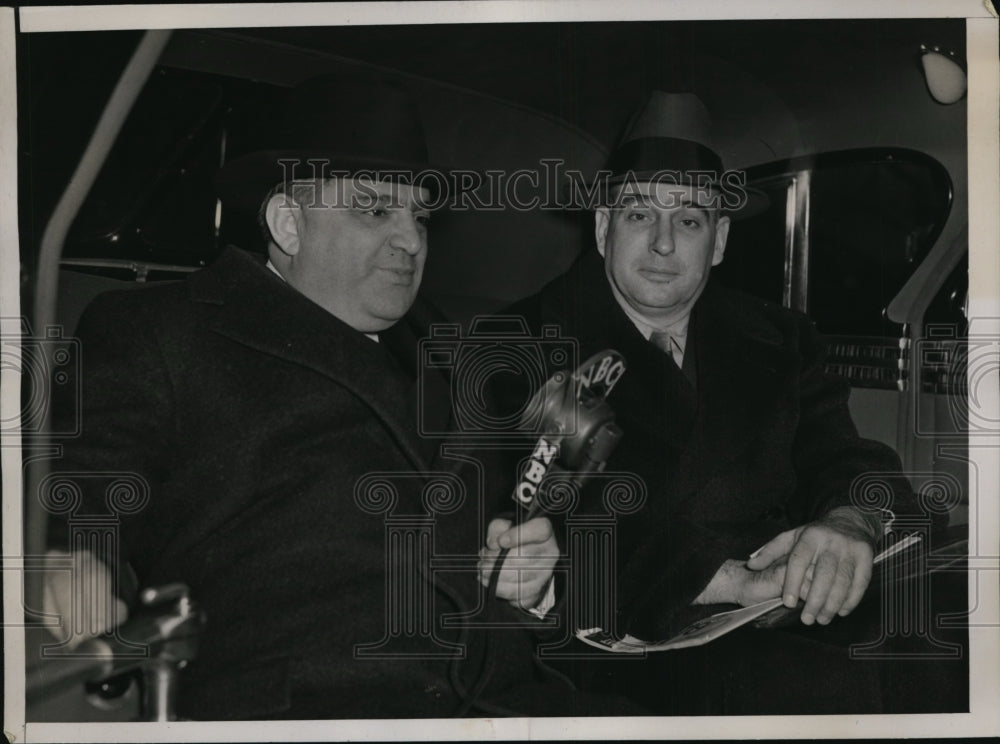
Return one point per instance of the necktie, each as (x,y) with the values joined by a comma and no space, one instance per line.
(667,343)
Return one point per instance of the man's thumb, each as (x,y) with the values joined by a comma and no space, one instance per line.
(770,552)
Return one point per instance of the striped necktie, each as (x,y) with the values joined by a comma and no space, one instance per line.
(667,343)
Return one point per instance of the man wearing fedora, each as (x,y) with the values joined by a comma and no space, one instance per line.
(746,447)
(255,399)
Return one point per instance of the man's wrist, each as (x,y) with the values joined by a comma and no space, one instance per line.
(866,525)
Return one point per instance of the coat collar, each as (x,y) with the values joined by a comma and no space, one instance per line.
(257,309)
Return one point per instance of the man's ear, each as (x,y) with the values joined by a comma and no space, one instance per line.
(721,233)
(602,218)
(283,215)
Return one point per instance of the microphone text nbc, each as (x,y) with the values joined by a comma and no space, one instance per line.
(541,459)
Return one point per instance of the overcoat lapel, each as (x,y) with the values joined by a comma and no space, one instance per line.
(652,382)
(260,311)
(741,362)
(428,395)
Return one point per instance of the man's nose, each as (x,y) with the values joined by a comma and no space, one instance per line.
(663,239)
(407,234)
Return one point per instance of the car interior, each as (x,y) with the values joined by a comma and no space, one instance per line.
(865,171)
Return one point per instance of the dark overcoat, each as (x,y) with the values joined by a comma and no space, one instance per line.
(751,438)
(258,421)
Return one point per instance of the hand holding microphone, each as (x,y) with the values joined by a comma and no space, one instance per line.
(578,436)
(527,572)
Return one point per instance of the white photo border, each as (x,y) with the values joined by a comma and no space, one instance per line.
(984,288)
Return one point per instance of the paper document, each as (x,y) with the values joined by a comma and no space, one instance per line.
(709,628)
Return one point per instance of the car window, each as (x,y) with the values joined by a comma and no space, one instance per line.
(871,217)
(154,199)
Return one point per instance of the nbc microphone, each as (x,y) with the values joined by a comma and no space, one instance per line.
(578,435)
(578,428)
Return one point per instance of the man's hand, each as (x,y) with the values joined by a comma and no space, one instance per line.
(734,583)
(528,568)
(829,563)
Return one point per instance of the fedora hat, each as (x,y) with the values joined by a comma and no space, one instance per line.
(669,140)
(336,126)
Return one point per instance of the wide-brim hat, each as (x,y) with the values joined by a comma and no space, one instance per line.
(337,126)
(669,140)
